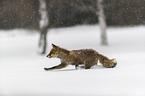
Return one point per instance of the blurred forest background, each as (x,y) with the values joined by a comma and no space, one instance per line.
(25,13)
(22,63)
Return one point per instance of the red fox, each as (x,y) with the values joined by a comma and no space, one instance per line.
(87,57)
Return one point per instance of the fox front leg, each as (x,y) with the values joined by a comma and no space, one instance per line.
(60,66)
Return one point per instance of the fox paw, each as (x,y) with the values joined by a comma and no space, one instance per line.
(46,68)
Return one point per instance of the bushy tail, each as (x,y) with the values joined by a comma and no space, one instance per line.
(106,62)
(60,66)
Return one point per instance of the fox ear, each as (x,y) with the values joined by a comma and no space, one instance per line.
(54,46)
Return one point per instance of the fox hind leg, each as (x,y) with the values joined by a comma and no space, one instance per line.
(88,64)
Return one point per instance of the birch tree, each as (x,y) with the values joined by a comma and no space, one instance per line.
(43,26)
(102,22)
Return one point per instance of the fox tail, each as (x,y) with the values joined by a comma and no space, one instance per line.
(106,62)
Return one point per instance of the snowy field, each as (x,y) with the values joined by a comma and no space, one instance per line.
(21,67)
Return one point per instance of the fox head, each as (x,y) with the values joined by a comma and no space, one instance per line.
(110,63)
(57,52)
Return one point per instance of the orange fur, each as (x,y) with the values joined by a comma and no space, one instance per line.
(87,57)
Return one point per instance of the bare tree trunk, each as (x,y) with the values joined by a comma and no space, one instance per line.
(43,25)
(102,22)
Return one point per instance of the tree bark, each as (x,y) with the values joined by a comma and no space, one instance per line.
(43,26)
(102,22)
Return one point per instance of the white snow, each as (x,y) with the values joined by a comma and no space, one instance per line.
(21,67)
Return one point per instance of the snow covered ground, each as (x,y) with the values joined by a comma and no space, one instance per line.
(21,67)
